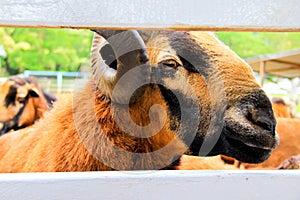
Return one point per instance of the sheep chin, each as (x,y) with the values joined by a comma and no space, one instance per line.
(243,150)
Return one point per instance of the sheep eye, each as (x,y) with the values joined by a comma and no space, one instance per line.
(21,100)
(170,63)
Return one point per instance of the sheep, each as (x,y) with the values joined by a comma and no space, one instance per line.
(22,103)
(154,96)
(280,108)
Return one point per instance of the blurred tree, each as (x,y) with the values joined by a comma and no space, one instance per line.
(45,49)
(68,49)
(248,44)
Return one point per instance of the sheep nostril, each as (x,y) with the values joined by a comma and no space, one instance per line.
(260,119)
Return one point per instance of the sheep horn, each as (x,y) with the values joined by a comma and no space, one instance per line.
(129,51)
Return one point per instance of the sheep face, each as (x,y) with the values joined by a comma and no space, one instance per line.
(187,83)
(248,133)
(17,107)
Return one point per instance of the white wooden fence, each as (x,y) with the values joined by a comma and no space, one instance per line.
(281,15)
(150,185)
(57,82)
(254,15)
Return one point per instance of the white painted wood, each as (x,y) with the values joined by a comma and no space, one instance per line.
(261,15)
(152,185)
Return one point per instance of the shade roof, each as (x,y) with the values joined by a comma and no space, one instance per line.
(285,64)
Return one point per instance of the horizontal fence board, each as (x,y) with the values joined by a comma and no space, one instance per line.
(152,185)
(254,15)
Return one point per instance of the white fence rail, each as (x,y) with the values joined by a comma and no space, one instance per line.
(58,82)
(281,15)
(150,185)
(254,15)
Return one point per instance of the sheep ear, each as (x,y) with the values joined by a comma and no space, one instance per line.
(34,92)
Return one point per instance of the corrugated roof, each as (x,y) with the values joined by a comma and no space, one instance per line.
(285,64)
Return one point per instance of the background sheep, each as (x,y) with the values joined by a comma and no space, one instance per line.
(280,108)
(22,102)
(167,93)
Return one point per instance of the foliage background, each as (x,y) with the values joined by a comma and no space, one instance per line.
(69,49)
(44,49)
(249,44)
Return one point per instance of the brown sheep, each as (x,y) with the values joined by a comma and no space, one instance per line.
(22,102)
(280,108)
(167,93)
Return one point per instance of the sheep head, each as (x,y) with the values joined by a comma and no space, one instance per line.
(17,108)
(211,98)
